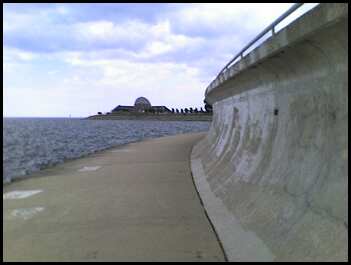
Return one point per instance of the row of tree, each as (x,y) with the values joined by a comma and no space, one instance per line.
(190,110)
(208,109)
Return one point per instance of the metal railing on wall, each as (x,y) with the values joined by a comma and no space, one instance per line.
(271,28)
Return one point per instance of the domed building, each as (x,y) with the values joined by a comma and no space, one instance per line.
(142,105)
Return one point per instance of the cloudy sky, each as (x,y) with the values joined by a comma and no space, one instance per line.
(78,59)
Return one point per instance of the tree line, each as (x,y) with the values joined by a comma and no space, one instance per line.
(208,109)
(190,110)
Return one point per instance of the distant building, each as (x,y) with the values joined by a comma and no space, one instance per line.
(141,104)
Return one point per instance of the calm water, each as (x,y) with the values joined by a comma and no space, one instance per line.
(31,144)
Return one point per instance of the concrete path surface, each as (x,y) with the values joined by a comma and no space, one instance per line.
(136,202)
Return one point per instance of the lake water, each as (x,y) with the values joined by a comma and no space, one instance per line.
(31,144)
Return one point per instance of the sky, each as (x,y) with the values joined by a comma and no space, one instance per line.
(78,59)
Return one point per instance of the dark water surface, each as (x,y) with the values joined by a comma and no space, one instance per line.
(31,144)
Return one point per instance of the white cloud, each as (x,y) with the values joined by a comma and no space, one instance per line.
(154,80)
(62,10)
(101,84)
(226,17)
(25,56)
(53,72)
(105,63)
(152,39)
(13,54)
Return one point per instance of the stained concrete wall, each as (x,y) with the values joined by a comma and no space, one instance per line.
(272,171)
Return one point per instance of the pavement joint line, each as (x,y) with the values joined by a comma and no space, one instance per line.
(26,213)
(89,168)
(19,194)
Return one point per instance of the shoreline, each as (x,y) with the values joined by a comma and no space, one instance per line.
(37,173)
(154,117)
(41,171)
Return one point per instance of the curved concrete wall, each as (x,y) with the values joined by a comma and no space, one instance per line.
(272,171)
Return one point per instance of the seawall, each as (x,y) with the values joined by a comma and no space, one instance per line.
(272,171)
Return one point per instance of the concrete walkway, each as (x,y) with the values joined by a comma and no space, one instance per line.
(132,203)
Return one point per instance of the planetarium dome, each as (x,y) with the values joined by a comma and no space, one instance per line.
(142,103)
